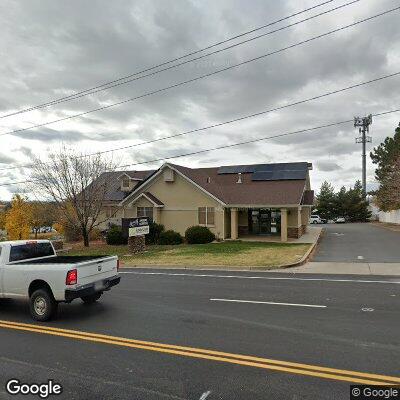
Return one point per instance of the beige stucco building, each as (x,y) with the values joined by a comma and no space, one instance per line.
(233,201)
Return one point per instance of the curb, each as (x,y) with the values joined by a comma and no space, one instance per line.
(238,268)
(310,252)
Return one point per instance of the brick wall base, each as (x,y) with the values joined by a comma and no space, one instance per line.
(137,244)
(294,232)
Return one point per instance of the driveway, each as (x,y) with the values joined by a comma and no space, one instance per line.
(359,243)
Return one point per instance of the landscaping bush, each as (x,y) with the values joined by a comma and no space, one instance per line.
(170,237)
(198,235)
(155,231)
(115,236)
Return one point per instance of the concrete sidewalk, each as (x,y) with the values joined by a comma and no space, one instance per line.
(345,268)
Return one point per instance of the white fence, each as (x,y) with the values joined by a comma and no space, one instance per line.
(392,217)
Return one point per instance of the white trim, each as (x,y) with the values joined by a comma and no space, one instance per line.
(179,173)
(148,198)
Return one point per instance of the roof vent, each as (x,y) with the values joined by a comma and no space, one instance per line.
(239,178)
(208,179)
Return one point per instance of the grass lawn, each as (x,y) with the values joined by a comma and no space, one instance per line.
(225,253)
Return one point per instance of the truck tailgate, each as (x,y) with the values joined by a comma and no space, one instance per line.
(92,271)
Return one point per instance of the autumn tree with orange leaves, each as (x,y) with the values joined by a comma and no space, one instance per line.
(18,218)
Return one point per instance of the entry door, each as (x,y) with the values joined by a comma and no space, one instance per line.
(265,222)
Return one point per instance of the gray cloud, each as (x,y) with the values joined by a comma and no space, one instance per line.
(50,49)
(4,159)
(328,166)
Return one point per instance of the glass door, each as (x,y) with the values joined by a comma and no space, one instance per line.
(265,222)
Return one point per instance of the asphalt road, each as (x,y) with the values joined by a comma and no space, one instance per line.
(358,242)
(355,327)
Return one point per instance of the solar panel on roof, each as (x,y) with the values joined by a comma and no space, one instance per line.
(279,175)
(235,169)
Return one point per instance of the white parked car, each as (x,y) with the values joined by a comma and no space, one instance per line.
(340,220)
(31,269)
(316,219)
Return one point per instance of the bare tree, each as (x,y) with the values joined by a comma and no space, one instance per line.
(77,183)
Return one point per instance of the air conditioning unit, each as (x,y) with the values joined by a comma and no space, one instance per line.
(168,175)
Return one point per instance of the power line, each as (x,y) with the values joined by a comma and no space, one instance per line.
(231,120)
(104,85)
(234,144)
(205,55)
(254,140)
(202,76)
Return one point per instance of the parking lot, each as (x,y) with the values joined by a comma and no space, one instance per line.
(358,242)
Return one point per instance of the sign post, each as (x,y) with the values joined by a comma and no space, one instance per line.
(138,228)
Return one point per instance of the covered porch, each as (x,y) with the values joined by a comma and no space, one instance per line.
(266,223)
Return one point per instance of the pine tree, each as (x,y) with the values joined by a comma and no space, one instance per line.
(341,206)
(326,201)
(388,194)
(387,158)
(356,207)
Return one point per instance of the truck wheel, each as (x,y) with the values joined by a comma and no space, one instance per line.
(42,305)
(91,299)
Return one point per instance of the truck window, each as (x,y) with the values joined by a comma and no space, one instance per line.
(30,250)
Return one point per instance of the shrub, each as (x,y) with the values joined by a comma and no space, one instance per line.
(199,234)
(170,237)
(155,231)
(115,236)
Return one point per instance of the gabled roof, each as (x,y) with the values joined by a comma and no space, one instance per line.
(153,199)
(221,184)
(135,175)
(114,192)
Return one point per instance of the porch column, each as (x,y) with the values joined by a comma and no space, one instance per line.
(283,225)
(234,224)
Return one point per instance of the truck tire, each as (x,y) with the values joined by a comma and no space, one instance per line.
(42,305)
(91,298)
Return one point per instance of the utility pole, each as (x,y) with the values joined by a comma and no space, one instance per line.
(363,124)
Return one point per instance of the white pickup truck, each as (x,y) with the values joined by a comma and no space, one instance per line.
(31,269)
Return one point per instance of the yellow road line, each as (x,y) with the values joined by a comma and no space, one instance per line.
(283,366)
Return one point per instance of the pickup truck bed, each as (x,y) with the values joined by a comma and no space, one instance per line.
(62,260)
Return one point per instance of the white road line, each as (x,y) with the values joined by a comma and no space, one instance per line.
(360,257)
(269,302)
(259,277)
(205,395)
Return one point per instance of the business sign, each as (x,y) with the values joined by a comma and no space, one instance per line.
(139,226)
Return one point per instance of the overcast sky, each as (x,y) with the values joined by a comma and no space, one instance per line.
(50,49)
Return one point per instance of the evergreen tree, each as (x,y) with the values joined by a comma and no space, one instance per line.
(356,207)
(326,201)
(387,158)
(341,203)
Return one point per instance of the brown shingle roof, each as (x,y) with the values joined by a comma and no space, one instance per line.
(114,192)
(154,199)
(308,198)
(225,187)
